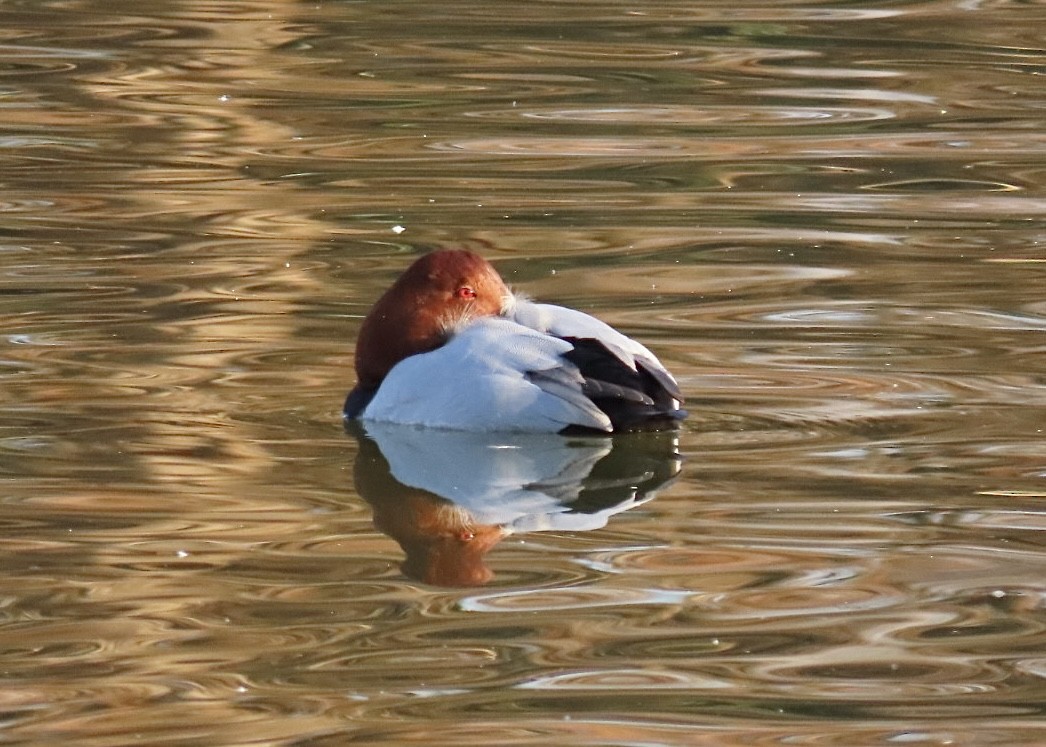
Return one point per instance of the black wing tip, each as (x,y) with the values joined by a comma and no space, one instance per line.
(632,421)
(645,397)
(659,420)
(664,379)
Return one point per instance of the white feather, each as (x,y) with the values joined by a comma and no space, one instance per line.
(483,379)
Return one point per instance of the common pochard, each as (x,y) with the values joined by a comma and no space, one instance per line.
(450,346)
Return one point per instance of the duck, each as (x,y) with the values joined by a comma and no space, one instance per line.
(450,346)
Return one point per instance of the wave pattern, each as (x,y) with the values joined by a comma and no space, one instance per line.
(827,220)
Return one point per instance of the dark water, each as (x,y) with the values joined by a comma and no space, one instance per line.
(829,219)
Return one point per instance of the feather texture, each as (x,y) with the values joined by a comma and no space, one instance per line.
(479,358)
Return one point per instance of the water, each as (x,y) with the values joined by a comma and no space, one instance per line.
(826,218)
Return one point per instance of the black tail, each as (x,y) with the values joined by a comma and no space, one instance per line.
(633,400)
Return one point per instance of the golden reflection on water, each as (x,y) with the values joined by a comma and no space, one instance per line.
(827,220)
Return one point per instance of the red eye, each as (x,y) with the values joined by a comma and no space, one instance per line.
(464,292)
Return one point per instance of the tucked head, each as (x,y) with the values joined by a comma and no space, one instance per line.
(414,316)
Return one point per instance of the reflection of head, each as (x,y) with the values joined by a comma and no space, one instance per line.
(443,544)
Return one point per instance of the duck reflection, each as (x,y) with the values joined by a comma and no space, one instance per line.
(449,497)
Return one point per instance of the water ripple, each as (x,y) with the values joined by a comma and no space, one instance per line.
(692,116)
(548,600)
(826,220)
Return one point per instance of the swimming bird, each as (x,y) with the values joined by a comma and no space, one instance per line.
(449,346)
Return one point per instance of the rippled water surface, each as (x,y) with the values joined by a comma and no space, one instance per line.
(827,218)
